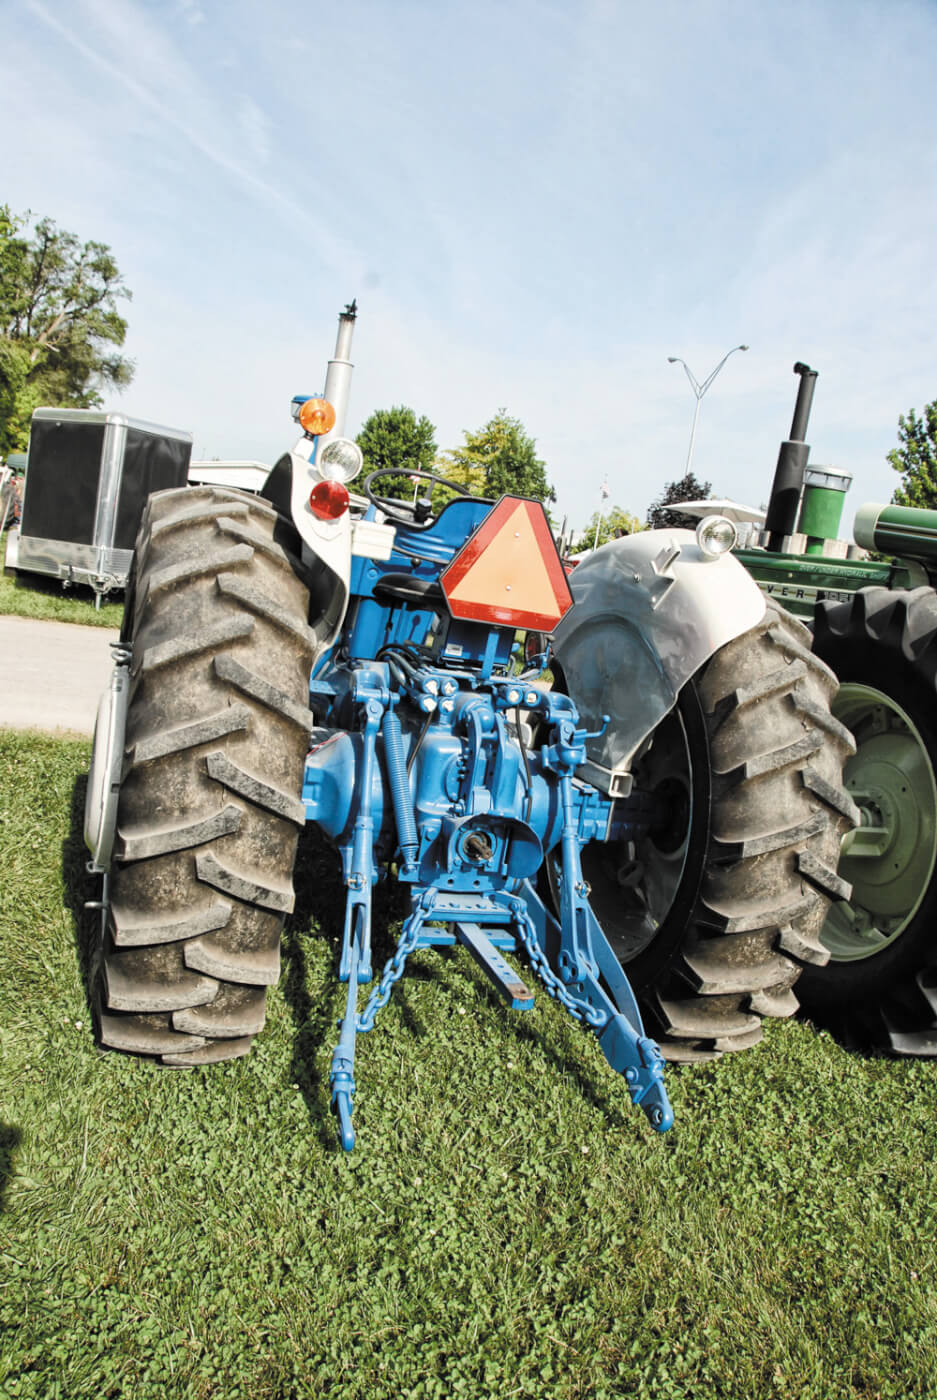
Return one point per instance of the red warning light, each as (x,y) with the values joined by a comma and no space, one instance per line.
(328,500)
(509,572)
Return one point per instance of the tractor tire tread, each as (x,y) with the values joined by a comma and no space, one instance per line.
(777,813)
(144,843)
(885,639)
(227,668)
(238,780)
(164,654)
(188,736)
(210,802)
(211,1054)
(147,1035)
(129,932)
(237,1011)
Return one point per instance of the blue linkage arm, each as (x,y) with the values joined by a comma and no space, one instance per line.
(614,1018)
(585,958)
(361,866)
(355,965)
(341,1074)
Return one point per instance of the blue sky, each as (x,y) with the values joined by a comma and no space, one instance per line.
(535,204)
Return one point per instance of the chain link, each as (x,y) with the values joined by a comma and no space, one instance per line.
(393,971)
(593,1016)
(580,1010)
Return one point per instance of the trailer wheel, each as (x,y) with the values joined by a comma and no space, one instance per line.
(879,988)
(714,913)
(209,806)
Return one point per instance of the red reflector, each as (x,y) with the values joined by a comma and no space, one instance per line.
(328,500)
(509,572)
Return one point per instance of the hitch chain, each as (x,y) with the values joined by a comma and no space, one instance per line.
(593,1016)
(393,971)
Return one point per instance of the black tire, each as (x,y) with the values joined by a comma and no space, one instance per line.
(714,914)
(879,989)
(209,809)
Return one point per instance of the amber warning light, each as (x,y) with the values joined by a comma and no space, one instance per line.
(509,572)
(317,416)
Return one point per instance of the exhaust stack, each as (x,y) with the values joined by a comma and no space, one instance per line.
(338,375)
(786,489)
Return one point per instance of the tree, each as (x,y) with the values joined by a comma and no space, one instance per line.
(394,439)
(499,459)
(916,459)
(661,516)
(59,324)
(611,524)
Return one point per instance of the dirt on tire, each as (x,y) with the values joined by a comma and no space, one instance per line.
(760,848)
(210,801)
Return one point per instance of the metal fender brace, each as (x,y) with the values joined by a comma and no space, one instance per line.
(444,802)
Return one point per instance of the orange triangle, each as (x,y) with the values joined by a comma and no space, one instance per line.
(511,572)
(508,573)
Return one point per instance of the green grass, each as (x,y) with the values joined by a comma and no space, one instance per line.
(34,595)
(507,1226)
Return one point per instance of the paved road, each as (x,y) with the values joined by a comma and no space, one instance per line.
(52,674)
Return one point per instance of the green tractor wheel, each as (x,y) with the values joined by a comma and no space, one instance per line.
(879,988)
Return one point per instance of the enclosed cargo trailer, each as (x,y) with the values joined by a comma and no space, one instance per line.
(88,476)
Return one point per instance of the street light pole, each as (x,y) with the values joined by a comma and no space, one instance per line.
(699,390)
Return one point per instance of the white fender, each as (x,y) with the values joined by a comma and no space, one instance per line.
(328,545)
(650,609)
(107,756)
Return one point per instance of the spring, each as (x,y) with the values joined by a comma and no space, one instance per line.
(400,788)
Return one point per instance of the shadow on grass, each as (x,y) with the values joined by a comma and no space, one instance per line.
(319,912)
(26,585)
(9,1141)
(516,1023)
(320,908)
(319,896)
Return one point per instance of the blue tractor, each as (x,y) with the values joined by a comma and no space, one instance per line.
(655,833)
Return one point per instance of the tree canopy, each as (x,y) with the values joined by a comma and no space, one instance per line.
(499,459)
(607,525)
(916,459)
(662,516)
(59,323)
(394,439)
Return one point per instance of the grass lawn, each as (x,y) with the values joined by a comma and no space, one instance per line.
(34,595)
(507,1226)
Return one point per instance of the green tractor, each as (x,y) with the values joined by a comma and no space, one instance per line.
(874,623)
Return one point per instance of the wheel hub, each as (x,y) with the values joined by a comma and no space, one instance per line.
(634,886)
(890,858)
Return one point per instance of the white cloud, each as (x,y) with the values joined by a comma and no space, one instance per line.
(255,128)
(191,11)
(534,210)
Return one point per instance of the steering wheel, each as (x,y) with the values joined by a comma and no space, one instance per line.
(402,513)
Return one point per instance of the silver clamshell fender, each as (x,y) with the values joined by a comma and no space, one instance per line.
(107,757)
(650,609)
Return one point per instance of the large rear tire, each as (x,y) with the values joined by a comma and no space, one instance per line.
(714,913)
(209,808)
(879,988)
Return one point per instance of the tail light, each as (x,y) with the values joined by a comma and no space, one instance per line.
(328,500)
